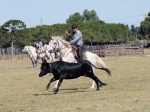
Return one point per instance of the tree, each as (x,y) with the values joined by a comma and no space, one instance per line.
(12,27)
(133,30)
(0,37)
(86,16)
(76,17)
(89,16)
(144,30)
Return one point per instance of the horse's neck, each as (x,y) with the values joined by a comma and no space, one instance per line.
(67,55)
(63,49)
(47,47)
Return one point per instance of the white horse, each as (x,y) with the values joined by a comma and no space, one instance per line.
(32,54)
(44,53)
(57,43)
(47,54)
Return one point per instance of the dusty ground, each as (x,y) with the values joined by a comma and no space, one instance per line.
(128,88)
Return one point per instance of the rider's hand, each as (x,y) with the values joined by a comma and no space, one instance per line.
(70,43)
(66,32)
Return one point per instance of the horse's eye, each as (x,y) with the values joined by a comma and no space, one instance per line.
(54,42)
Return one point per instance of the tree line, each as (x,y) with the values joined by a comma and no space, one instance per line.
(14,32)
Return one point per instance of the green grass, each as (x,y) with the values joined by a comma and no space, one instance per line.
(128,88)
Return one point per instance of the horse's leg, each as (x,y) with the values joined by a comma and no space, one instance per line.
(36,63)
(32,61)
(93,83)
(33,64)
(56,85)
(53,57)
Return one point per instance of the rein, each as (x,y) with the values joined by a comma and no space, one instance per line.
(61,47)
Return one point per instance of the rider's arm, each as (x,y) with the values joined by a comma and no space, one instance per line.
(78,36)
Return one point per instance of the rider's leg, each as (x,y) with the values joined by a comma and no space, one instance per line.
(80,52)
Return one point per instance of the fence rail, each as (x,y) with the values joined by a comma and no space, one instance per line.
(116,50)
(17,53)
(100,50)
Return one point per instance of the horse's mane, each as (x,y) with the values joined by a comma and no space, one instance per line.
(66,43)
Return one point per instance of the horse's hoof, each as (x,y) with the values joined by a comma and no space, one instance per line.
(91,87)
(97,89)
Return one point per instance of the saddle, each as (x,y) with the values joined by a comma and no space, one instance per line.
(76,53)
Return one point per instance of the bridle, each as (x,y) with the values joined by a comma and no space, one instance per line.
(59,47)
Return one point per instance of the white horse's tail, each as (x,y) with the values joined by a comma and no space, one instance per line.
(100,62)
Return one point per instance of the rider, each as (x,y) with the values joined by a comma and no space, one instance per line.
(35,44)
(76,39)
(40,44)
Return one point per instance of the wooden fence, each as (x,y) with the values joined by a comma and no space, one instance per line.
(5,54)
(116,50)
(100,50)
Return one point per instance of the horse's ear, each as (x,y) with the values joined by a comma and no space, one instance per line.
(44,61)
(52,38)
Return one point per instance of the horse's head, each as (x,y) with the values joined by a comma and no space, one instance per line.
(26,48)
(57,44)
(53,45)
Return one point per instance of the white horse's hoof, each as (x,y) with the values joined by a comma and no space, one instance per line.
(91,87)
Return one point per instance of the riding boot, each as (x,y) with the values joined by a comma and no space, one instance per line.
(80,53)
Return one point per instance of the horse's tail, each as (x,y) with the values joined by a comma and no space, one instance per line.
(100,62)
(106,69)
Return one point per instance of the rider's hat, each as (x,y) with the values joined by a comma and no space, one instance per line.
(74,26)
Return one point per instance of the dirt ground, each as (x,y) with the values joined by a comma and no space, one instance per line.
(128,88)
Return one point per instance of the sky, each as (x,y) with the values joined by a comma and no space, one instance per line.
(49,12)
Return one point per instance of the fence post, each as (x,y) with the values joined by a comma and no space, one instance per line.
(142,46)
(0,54)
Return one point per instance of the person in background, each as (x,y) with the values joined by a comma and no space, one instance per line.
(35,44)
(40,44)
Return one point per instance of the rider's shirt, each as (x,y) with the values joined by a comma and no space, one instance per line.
(77,38)
(40,44)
